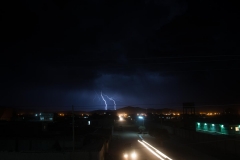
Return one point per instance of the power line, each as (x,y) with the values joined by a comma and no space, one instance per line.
(154,57)
(143,58)
(140,104)
(178,57)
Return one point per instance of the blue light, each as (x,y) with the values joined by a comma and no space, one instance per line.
(140,117)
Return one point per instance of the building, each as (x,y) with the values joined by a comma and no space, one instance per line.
(46,116)
(6,114)
(219,128)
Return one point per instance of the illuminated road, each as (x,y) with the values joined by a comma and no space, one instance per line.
(121,139)
(148,148)
(125,138)
(154,151)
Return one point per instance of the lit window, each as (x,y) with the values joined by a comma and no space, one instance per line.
(88,122)
(50,119)
(236,128)
(41,118)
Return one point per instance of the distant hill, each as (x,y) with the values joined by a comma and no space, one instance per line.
(6,113)
(102,111)
(131,110)
(135,110)
(218,108)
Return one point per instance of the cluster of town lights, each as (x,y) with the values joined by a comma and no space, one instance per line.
(120,118)
(169,114)
(209,114)
(123,115)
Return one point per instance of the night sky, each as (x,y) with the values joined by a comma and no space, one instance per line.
(145,53)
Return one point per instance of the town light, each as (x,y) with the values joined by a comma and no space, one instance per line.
(133,155)
(140,117)
(120,118)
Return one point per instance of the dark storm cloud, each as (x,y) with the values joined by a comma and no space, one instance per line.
(58,53)
(76,26)
(106,31)
(91,28)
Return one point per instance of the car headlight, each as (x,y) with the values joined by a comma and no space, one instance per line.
(133,155)
(125,155)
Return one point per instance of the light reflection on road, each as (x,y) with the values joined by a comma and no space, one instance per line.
(154,151)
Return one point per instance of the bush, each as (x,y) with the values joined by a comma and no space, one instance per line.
(159,133)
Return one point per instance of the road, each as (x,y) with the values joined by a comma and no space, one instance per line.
(123,138)
(129,135)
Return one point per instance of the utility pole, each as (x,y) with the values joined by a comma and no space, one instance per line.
(73,128)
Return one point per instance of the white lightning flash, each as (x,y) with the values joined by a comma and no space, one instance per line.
(111,99)
(104,101)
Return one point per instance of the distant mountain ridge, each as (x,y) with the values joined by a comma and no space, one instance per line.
(134,110)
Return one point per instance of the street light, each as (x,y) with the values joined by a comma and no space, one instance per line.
(141,117)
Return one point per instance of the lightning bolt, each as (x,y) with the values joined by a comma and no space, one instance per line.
(111,99)
(104,101)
